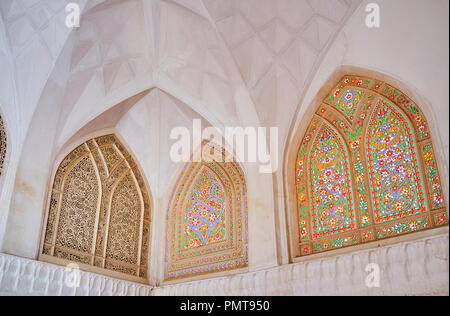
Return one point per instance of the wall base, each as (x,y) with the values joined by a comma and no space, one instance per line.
(417,267)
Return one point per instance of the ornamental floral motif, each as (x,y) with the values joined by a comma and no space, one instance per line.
(207,219)
(206,205)
(349,102)
(396,183)
(332,208)
(432,176)
(366,169)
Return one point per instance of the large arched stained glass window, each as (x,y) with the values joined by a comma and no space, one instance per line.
(99,212)
(366,169)
(207,218)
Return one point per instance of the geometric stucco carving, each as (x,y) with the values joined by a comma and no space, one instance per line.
(99,212)
(275,45)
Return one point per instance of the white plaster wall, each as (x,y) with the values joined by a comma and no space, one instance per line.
(417,267)
(412,268)
(24,277)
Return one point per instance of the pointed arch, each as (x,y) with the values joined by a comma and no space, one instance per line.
(99,211)
(207,218)
(393,179)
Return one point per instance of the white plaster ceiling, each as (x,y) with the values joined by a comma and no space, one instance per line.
(235,62)
(276,46)
(32,35)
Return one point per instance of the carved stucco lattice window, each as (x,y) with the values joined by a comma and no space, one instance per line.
(207,218)
(99,213)
(2,144)
(366,169)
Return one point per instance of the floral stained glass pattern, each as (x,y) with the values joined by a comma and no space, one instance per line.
(396,183)
(349,102)
(332,205)
(366,169)
(431,172)
(207,218)
(204,221)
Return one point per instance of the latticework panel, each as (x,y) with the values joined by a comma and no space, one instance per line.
(366,169)
(99,213)
(207,219)
(2,145)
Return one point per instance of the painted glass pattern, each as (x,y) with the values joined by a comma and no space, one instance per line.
(331,193)
(366,169)
(204,212)
(206,228)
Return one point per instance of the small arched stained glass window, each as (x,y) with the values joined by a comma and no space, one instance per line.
(366,169)
(207,218)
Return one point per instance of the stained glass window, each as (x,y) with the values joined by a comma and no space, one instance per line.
(99,212)
(207,218)
(366,169)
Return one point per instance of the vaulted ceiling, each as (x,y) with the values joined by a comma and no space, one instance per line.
(235,62)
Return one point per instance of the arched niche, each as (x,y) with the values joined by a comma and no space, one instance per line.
(206,230)
(364,169)
(99,213)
